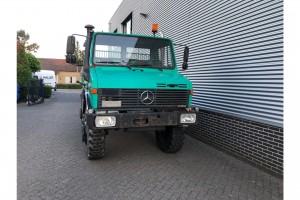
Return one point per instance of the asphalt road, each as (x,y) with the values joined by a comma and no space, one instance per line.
(52,163)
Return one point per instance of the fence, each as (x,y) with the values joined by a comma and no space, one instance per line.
(35,92)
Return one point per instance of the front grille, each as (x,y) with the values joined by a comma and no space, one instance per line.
(132,97)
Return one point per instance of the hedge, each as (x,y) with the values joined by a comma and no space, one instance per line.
(68,86)
(47,91)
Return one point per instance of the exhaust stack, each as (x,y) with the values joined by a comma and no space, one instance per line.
(89,32)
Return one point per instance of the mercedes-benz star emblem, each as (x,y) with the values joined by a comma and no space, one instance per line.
(147,97)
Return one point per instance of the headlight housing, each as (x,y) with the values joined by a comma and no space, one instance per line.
(188,118)
(105,121)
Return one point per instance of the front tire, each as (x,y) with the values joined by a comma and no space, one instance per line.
(170,140)
(95,144)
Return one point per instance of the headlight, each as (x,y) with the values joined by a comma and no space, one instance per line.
(105,121)
(188,118)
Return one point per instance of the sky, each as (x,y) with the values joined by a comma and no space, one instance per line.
(50,22)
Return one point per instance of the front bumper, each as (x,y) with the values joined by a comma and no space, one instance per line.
(138,120)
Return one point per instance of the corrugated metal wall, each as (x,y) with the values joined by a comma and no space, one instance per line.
(236,50)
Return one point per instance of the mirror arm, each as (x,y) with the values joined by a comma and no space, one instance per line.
(79,35)
(80,83)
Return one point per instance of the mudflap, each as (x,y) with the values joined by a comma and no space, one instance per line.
(83,132)
(80,113)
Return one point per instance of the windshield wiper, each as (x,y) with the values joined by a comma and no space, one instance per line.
(145,64)
(158,68)
(109,62)
(115,64)
(139,64)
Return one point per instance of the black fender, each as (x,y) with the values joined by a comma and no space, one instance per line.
(82,94)
(82,104)
(88,105)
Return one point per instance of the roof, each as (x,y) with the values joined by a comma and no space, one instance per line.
(45,72)
(57,65)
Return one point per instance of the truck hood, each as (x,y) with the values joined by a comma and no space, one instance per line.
(146,78)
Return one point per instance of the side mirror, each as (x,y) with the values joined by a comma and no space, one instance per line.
(70,45)
(184,65)
(70,59)
(185,58)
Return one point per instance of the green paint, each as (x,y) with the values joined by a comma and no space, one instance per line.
(137,77)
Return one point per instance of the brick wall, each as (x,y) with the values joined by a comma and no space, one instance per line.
(258,143)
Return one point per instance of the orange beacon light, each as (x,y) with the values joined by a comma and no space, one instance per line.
(154,28)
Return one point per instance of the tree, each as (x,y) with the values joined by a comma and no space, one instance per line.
(23,38)
(79,54)
(26,62)
(33,63)
(23,69)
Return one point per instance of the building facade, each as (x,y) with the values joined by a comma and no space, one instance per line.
(235,65)
(65,73)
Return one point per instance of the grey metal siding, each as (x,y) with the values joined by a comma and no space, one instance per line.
(236,51)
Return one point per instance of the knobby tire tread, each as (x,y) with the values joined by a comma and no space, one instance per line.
(96,144)
(171,140)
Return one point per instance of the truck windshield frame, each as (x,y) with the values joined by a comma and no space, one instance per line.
(133,51)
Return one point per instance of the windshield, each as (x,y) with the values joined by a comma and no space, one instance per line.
(131,51)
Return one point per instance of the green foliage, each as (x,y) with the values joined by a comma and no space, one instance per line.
(47,91)
(33,63)
(79,54)
(23,70)
(68,86)
(26,62)
(23,75)
(21,55)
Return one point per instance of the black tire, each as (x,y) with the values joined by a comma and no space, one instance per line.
(95,144)
(170,140)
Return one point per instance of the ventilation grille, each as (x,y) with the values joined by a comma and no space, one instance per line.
(132,97)
(163,85)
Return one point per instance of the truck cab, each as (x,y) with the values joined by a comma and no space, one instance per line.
(132,83)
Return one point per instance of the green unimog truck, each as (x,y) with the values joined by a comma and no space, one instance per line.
(131,83)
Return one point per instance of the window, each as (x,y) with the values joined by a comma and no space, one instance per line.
(127,24)
(137,53)
(131,51)
(164,55)
(70,80)
(106,53)
(67,79)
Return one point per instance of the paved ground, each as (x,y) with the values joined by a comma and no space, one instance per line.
(52,163)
